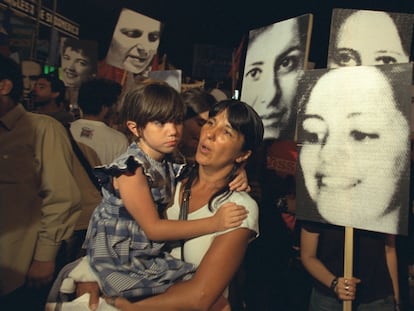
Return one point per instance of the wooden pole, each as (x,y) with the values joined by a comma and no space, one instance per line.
(124,77)
(348,261)
(33,51)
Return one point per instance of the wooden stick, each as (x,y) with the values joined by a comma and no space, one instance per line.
(124,76)
(348,261)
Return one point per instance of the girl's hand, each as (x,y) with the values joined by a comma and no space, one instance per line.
(240,182)
(346,288)
(121,303)
(229,215)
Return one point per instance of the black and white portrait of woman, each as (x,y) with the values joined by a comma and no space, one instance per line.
(276,55)
(134,42)
(353,137)
(363,37)
(79,61)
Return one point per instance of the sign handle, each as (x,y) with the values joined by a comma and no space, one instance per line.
(348,261)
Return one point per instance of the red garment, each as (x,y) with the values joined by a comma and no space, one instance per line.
(282,157)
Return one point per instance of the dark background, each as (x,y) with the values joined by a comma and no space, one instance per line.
(217,22)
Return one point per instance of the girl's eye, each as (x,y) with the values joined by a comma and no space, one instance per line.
(361,136)
(228,133)
(254,73)
(177,120)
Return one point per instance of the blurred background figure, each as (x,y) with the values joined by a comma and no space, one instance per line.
(97,99)
(30,71)
(48,96)
(39,197)
(198,102)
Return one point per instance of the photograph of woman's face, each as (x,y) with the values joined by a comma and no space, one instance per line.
(355,146)
(76,67)
(135,41)
(367,38)
(274,59)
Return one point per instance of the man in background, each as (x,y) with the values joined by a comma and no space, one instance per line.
(48,97)
(97,100)
(39,198)
(30,71)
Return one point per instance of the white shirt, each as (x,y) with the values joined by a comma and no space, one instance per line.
(195,249)
(107,142)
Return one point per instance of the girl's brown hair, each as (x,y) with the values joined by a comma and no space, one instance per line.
(151,101)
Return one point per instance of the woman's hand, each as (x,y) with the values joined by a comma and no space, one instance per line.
(229,215)
(346,288)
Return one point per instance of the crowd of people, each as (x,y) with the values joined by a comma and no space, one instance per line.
(152,135)
(156,199)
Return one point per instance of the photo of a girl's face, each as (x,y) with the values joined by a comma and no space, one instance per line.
(135,41)
(366,38)
(354,146)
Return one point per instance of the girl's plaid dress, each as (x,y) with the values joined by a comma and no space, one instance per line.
(127,262)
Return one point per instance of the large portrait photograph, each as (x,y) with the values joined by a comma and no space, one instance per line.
(364,37)
(354,147)
(78,61)
(276,55)
(134,43)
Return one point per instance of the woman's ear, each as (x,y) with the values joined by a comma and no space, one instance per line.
(132,126)
(6,87)
(244,157)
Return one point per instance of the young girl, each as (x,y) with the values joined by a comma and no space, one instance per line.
(125,236)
